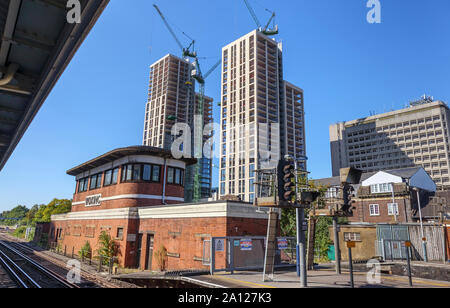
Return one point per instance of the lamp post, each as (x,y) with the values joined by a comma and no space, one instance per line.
(424,243)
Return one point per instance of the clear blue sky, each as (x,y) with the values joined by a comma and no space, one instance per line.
(346,66)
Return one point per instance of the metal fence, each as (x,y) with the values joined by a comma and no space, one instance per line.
(391,250)
(391,238)
(231,254)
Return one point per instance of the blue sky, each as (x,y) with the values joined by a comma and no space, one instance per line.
(347,68)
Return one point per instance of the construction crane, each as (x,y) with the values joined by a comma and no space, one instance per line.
(265,30)
(189,53)
(198,129)
(186,51)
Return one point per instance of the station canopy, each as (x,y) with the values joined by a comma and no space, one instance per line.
(37,44)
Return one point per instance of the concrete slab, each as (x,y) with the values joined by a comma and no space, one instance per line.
(316,279)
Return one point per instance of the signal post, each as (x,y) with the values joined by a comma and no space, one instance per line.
(279,188)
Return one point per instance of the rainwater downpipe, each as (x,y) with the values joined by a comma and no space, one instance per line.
(10,73)
(164,182)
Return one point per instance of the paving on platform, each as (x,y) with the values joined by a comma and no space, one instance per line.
(316,279)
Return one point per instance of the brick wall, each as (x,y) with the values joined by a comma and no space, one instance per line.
(182,237)
(361,213)
(365,247)
(75,233)
(119,189)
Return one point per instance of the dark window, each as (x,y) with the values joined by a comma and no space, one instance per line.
(119,233)
(83,185)
(108,175)
(141,172)
(96,181)
(156,174)
(115,176)
(170,175)
(111,177)
(137,176)
(175,176)
(146,173)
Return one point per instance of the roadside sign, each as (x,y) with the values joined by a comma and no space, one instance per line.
(246,244)
(220,245)
(351,244)
(237,243)
(282,244)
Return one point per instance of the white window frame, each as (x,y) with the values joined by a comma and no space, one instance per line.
(374,209)
(352,236)
(381,188)
(390,209)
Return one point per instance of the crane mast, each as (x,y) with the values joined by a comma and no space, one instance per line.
(198,122)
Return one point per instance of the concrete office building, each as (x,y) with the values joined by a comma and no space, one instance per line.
(255,93)
(172,99)
(414,136)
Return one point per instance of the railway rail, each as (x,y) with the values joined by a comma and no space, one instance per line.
(26,272)
(47,259)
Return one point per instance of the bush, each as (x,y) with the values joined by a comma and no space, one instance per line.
(161,258)
(20,232)
(107,247)
(86,251)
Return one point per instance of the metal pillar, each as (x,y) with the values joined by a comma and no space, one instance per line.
(337,249)
(301,248)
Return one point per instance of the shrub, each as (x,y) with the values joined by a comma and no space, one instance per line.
(107,247)
(20,232)
(161,258)
(85,251)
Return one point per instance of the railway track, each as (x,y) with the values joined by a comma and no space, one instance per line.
(26,272)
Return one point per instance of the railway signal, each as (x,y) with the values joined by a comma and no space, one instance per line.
(286,182)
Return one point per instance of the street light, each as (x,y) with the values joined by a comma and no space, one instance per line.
(424,243)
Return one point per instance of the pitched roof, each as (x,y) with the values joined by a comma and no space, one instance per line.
(405,173)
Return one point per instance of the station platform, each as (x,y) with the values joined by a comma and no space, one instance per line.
(323,278)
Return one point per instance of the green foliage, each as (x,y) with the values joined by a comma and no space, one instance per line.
(18,212)
(44,241)
(20,232)
(289,225)
(323,236)
(38,213)
(56,206)
(107,247)
(86,251)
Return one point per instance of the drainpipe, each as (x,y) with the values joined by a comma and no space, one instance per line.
(10,72)
(164,182)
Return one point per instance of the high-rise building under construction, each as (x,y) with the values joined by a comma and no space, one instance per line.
(172,99)
(261,113)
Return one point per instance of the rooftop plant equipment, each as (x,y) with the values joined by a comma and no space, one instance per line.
(265,30)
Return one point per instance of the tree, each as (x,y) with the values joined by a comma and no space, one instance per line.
(288,218)
(16,215)
(107,247)
(56,206)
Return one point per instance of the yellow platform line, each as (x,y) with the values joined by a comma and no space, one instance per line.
(221,276)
